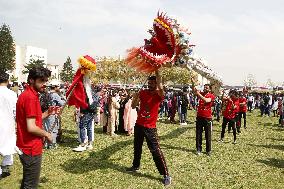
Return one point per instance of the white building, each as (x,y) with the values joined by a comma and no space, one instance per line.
(55,71)
(202,80)
(23,56)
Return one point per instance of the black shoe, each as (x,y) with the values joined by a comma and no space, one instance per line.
(167,180)
(5,171)
(5,174)
(132,169)
(208,153)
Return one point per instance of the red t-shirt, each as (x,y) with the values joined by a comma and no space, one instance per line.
(230,112)
(149,107)
(204,109)
(243,108)
(28,106)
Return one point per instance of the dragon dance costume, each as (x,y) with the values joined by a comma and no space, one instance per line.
(169,46)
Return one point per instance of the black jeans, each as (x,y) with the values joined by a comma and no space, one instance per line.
(280,119)
(232,124)
(242,115)
(31,171)
(206,125)
(250,106)
(153,144)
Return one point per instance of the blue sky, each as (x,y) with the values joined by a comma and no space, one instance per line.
(235,37)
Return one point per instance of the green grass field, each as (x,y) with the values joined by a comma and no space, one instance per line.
(256,161)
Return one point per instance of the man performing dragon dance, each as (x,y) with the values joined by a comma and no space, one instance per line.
(168,46)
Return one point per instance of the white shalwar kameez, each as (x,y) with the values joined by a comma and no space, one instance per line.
(8,100)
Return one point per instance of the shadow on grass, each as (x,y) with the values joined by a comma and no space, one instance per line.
(267,124)
(276,139)
(102,159)
(175,133)
(69,138)
(279,163)
(68,131)
(279,129)
(275,125)
(69,141)
(277,147)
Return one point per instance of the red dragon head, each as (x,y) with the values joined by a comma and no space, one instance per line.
(159,50)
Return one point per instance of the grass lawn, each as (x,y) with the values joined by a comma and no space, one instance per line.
(256,161)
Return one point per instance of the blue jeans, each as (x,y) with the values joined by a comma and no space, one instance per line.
(54,125)
(46,124)
(86,124)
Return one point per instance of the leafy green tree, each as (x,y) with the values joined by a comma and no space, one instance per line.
(110,70)
(270,83)
(33,63)
(67,71)
(250,81)
(178,75)
(13,78)
(7,49)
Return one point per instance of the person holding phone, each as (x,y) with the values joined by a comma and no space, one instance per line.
(30,132)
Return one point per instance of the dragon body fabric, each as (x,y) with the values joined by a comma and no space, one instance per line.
(168,46)
(79,93)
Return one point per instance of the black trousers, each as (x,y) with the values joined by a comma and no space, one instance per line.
(231,124)
(249,106)
(280,119)
(206,125)
(242,115)
(31,171)
(152,140)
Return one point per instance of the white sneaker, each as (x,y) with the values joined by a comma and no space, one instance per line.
(89,147)
(80,148)
(113,135)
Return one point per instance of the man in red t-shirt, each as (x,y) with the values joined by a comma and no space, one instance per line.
(204,118)
(242,112)
(230,114)
(145,126)
(29,126)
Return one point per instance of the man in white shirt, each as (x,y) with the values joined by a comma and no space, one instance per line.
(250,102)
(8,100)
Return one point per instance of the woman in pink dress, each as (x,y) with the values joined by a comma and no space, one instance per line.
(130,116)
